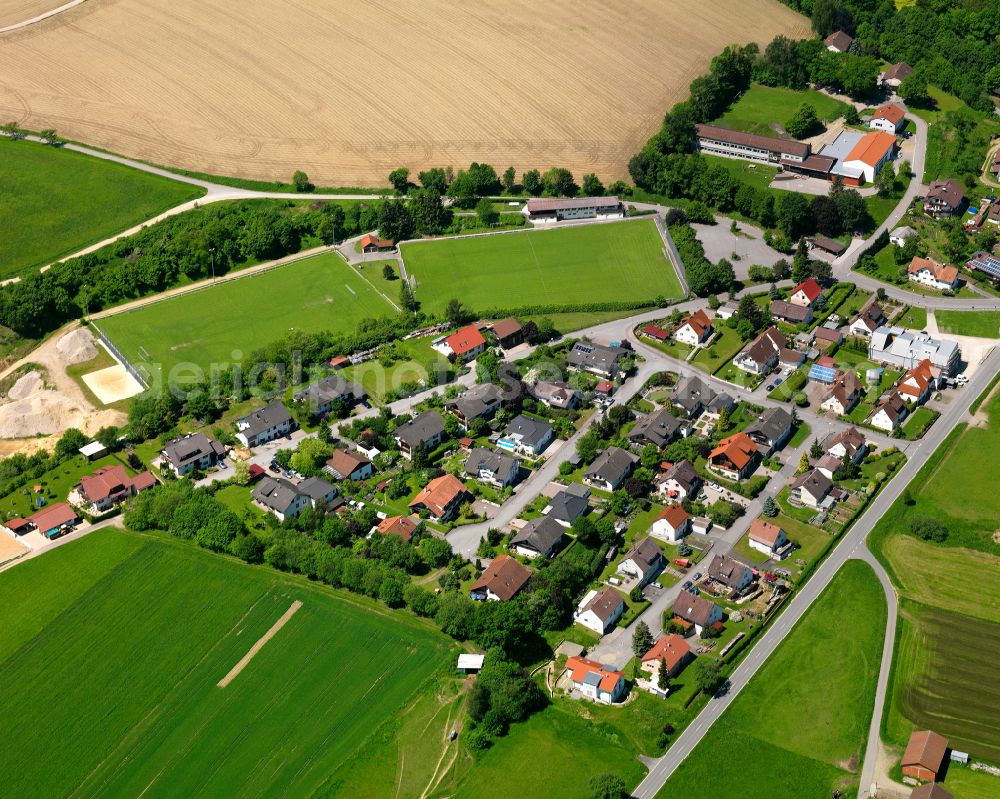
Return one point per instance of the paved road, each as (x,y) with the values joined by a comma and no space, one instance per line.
(851,546)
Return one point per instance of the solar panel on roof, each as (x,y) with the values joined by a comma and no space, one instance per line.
(989,264)
(824,374)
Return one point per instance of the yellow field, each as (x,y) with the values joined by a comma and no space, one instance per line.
(349,90)
(14,11)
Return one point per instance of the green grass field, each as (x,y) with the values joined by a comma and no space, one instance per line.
(799,726)
(620,262)
(55,202)
(985,324)
(762,107)
(943,679)
(116,644)
(208,325)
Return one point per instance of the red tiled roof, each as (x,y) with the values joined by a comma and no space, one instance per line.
(656,332)
(674,515)
(671,649)
(698,321)
(872,147)
(16,524)
(810,288)
(439,493)
(764,532)
(921,375)
(738,448)
(945,274)
(403,526)
(142,481)
(580,667)
(53,516)
(925,748)
(506,327)
(503,577)
(465,340)
(889,111)
(369,239)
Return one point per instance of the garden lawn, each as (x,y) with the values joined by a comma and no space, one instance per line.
(722,348)
(151,626)
(761,108)
(984,324)
(914,318)
(419,364)
(574,266)
(56,484)
(205,327)
(916,423)
(797,727)
(56,202)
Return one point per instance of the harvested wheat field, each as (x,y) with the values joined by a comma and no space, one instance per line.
(349,90)
(14,11)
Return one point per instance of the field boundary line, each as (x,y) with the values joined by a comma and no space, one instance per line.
(43,16)
(275,628)
(115,353)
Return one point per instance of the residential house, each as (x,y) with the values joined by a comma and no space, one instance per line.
(868,320)
(692,395)
(889,413)
(896,74)
(811,488)
(735,457)
(280,497)
(658,428)
(843,394)
(610,468)
(194,452)
(916,385)
(320,492)
(479,402)
(827,337)
(109,485)
(731,573)
(265,424)
(869,155)
(556,394)
(51,521)
(318,398)
(465,344)
(643,562)
(932,274)
(671,524)
(770,430)
(670,652)
(370,243)
(569,504)
(791,313)
(441,498)
(403,526)
(850,443)
(600,610)
(838,42)
(768,538)
(344,465)
(901,234)
(596,682)
(760,356)
(425,429)
(501,580)
(806,293)
(680,481)
(509,332)
(718,403)
(694,330)
(985,262)
(944,198)
(900,347)
(888,117)
(828,465)
(498,469)
(538,537)
(526,436)
(586,356)
(924,756)
(727,310)
(697,611)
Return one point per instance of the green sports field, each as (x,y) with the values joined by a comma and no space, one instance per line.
(602,263)
(799,726)
(207,326)
(112,652)
(54,202)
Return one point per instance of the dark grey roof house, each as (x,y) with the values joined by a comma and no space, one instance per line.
(610,468)
(317,489)
(569,504)
(265,424)
(693,395)
(771,429)
(538,537)
(658,428)
(586,356)
(527,435)
(318,397)
(425,428)
(196,451)
(479,402)
(496,468)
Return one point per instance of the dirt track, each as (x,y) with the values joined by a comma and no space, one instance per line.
(349,90)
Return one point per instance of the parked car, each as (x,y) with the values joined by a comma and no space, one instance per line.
(687,585)
(715,486)
(771,387)
(697,576)
(779,381)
